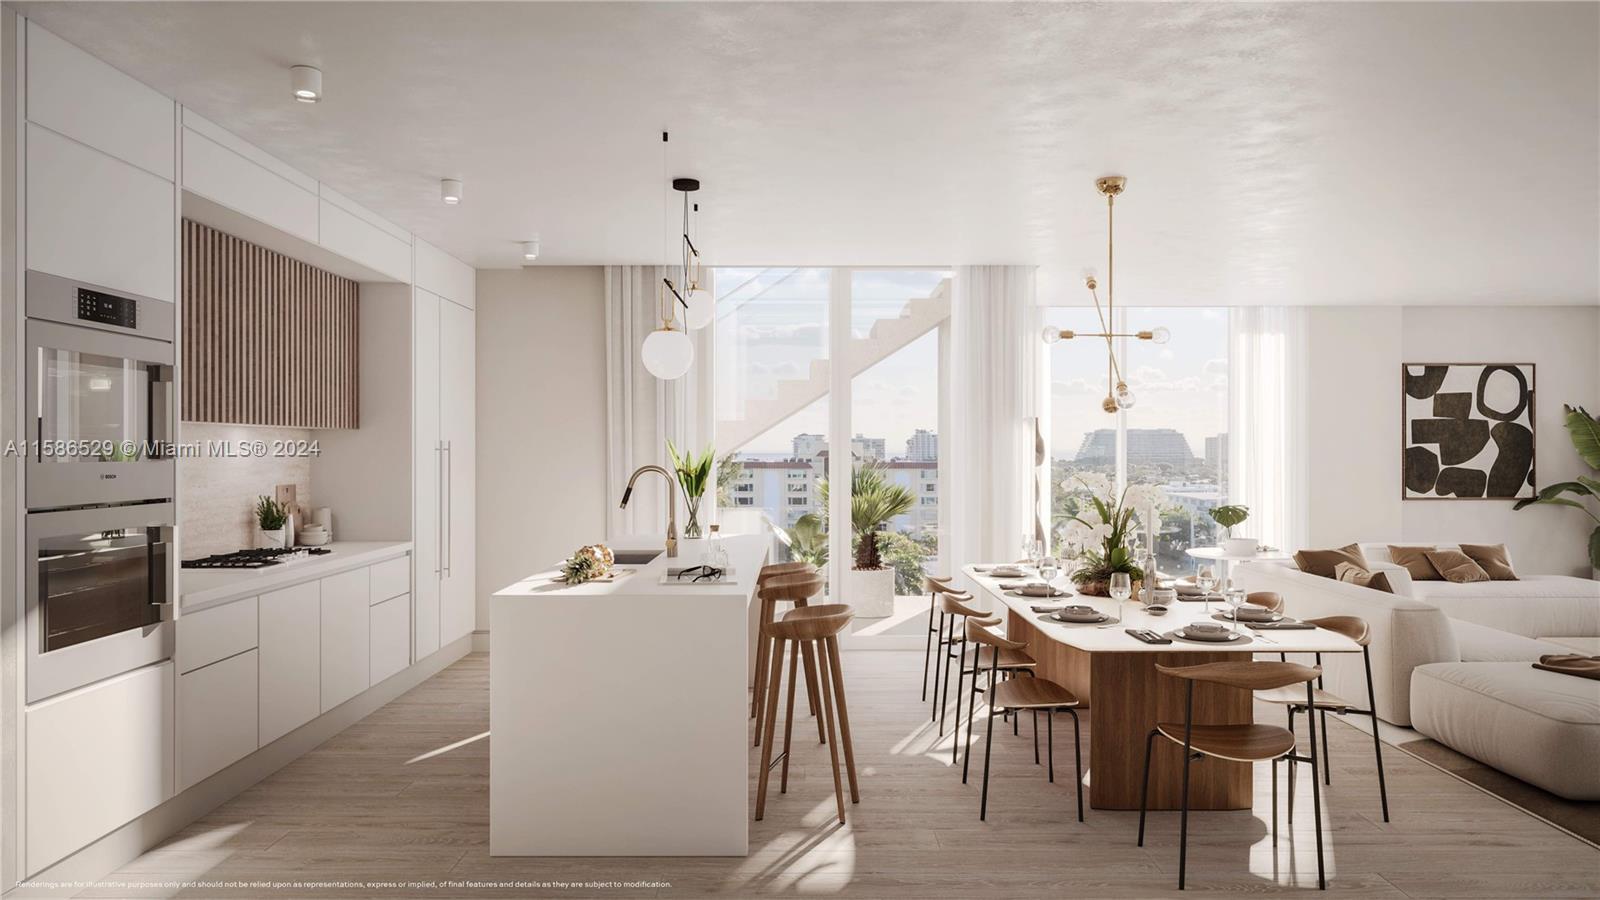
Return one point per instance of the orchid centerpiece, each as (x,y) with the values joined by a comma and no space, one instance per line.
(1101,536)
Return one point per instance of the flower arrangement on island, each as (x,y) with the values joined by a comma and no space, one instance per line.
(587,564)
(1101,536)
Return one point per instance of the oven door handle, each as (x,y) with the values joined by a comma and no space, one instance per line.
(160,579)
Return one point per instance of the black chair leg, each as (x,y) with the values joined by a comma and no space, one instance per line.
(988,744)
(1077,760)
(1050,742)
(961,674)
(1144,790)
(927,650)
(1289,764)
(1377,743)
(938,660)
(1327,770)
(1274,803)
(1183,820)
(972,707)
(1316,791)
(1036,737)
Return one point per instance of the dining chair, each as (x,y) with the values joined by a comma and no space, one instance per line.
(953,609)
(795,586)
(1017,694)
(1010,663)
(944,644)
(1245,742)
(1269,599)
(1356,630)
(813,633)
(936,585)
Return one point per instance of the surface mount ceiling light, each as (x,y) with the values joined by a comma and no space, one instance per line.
(1118,396)
(450,191)
(530,250)
(306,81)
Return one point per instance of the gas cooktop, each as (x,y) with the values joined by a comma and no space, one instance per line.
(254,559)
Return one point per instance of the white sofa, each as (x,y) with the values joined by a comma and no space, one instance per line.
(1454,662)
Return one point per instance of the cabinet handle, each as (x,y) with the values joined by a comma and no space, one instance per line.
(438,496)
(450,502)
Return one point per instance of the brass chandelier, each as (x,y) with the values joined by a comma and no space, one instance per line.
(1118,395)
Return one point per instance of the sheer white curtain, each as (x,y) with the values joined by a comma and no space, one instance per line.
(1267,468)
(995,392)
(642,411)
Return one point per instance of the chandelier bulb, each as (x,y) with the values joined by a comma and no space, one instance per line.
(1050,334)
(1160,335)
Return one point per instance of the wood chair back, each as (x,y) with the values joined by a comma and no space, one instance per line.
(1352,627)
(795,586)
(1270,599)
(956,604)
(976,631)
(795,567)
(1249,676)
(936,584)
(815,625)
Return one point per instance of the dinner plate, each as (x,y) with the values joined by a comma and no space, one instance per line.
(1224,637)
(1005,572)
(1079,615)
(1054,592)
(1227,616)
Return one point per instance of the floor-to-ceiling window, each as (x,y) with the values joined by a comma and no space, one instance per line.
(1174,435)
(814,362)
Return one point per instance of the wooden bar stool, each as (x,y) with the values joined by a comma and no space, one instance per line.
(796,587)
(767,613)
(1356,630)
(935,585)
(814,632)
(1016,695)
(953,610)
(1248,743)
(1010,662)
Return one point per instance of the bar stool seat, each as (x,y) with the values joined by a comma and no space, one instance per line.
(1288,696)
(1032,693)
(1238,743)
(1009,659)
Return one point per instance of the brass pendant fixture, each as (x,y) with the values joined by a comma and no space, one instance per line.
(1118,396)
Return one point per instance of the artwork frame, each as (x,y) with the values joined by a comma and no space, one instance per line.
(1468,431)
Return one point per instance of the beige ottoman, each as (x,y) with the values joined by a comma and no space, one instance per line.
(1539,726)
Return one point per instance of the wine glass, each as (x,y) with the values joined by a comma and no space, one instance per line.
(1048,569)
(1028,544)
(1206,579)
(1235,598)
(1121,590)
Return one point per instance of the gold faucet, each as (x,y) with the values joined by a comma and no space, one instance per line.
(672,504)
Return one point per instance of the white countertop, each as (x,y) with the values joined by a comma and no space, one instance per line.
(200,588)
(746,553)
(1093,638)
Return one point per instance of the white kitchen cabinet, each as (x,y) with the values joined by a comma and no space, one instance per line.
(290,659)
(391,578)
(442,275)
(390,637)
(216,633)
(94,218)
(427,464)
(74,94)
(222,174)
(96,758)
(458,613)
(217,716)
(356,239)
(346,630)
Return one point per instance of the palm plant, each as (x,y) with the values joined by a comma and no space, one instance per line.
(1585,432)
(874,500)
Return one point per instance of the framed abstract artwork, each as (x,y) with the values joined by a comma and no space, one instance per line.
(1467,431)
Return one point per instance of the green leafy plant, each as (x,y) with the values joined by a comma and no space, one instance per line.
(270,514)
(729,470)
(808,540)
(694,472)
(1229,515)
(874,500)
(1105,542)
(1584,430)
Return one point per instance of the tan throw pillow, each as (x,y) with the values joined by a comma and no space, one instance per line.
(1350,573)
(1415,559)
(1456,566)
(1323,562)
(1493,559)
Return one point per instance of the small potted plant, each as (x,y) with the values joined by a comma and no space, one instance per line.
(271,518)
(1228,516)
(1584,430)
(694,474)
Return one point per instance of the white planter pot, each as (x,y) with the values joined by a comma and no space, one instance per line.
(869,591)
(1239,546)
(270,540)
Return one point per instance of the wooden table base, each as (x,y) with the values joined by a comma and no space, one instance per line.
(1126,696)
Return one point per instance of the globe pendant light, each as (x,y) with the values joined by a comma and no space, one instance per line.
(667,353)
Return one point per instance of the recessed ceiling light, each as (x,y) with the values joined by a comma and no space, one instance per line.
(530,249)
(306,82)
(450,191)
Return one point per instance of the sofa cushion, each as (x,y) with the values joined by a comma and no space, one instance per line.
(1538,726)
(1351,573)
(1415,559)
(1493,559)
(1456,566)
(1480,643)
(1533,606)
(1589,645)
(1324,562)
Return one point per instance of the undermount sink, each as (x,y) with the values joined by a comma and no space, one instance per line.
(635,557)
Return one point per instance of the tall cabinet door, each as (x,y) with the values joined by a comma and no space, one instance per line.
(458,426)
(428,457)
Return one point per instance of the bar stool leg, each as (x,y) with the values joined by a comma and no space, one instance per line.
(961,673)
(972,707)
(763,647)
(1050,742)
(927,650)
(771,724)
(938,660)
(811,687)
(833,732)
(788,724)
(832,645)
(1077,760)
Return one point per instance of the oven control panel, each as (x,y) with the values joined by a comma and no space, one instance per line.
(107,309)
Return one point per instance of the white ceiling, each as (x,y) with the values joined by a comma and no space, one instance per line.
(1276,153)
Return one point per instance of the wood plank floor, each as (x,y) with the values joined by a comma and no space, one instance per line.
(398,806)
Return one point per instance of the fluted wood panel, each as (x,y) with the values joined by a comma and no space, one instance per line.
(267,340)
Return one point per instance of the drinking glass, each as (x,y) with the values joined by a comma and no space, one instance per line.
(1121,590)
(1048,569)
(1235,598)
(1027,550)
(1206,580)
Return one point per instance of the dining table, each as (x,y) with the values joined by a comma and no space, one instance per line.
(1114,675)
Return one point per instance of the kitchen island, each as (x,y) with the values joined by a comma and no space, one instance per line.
(618,710)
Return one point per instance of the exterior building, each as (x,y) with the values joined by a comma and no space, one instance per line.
(787,489)
(922,446)
(1217,452)
(1146,446)
(867,448)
